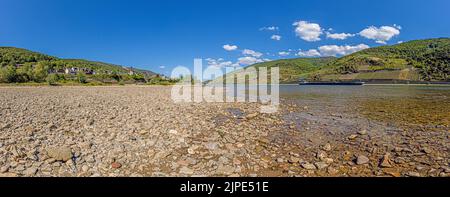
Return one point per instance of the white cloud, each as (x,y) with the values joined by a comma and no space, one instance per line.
(382,34)
(276,37)
(249,60)
(284,53)
(162,67)
(228,47)
(271,28)
(308,31)
(220,63)
(334,50)
(252,53)
(339,36)
(309,53)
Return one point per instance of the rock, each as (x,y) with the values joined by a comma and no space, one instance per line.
(8,174)
(60,153)
(391,171)
(225,170)
(362,132)
(308,166)
(352,137)
(4,169)
(85,168)
(186,170)
(211,145)
(116,165)
(413,174)
(321,155)
(173,132)
(143,132)
(427,150)
(293,160)
(280,160)
(321,165)
(30,171)
(192,149)
(327,147)
(328,160)
(386,161)
(250,116)
(420,168)
(360,160)
(446,169)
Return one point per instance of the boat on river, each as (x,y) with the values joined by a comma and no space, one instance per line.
(333,83)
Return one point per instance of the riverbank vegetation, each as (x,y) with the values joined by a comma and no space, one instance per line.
(20,66)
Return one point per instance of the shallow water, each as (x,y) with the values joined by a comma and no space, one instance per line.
(405,105)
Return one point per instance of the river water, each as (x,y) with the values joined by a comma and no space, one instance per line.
(401,104)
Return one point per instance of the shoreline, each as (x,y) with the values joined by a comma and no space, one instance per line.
(125,131)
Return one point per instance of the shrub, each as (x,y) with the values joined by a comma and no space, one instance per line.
(8,74)
(52,79)
(81,77)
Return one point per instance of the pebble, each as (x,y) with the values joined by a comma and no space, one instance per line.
(327,147)
(362,132)
(30,171)
(4,169)
(293,160)
(321,155)
(386,161)
(321,165)
(308,166)
(427,150)
(413,174)
(360,160)
(116,165)
(352,137)
(60,153)
(186,170)
(173,132)
(85,168)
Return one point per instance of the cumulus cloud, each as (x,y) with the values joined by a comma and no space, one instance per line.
(284,53)
(380,34)
(249,60)
(309,53)
(220,63)
(228,47)
(339,36)
(271,28)
(335,50)
(310,32)
(252,53)
(276,37)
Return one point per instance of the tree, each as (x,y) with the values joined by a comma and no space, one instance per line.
(8,74)
(41,71)
(52,79)
(81,77)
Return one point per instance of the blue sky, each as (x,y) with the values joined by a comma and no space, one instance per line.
(161,34)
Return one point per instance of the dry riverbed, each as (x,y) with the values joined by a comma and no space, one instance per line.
(139,131)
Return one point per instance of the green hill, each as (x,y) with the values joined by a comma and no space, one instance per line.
(290,69)
(21,65)
(17,56)
(293,69)
(419,60)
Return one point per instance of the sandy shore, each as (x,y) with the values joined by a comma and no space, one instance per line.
(139,131)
